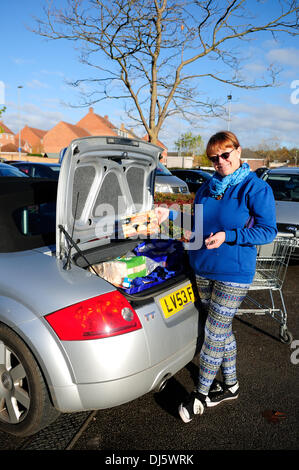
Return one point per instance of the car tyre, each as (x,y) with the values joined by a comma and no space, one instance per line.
(25,406)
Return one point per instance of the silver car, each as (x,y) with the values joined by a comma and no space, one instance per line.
(284,182)
(166,182)
(71,340)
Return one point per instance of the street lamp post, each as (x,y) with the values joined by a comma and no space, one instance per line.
(19,88)
(229,97)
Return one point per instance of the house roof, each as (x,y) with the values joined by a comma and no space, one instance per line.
(75,129)
(250,154)
(5,129)
(38,132)
(97,125)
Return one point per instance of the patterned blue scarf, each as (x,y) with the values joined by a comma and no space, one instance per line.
(218,184)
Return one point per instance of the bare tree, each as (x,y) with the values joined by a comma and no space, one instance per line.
(156,52)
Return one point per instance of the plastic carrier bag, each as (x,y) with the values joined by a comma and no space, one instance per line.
(122,270)
(168,256)
(149,264)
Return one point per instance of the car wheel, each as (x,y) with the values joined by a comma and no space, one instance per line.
(25,406)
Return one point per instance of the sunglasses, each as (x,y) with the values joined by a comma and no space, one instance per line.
(225,155)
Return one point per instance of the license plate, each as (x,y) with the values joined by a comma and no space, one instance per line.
(177,300)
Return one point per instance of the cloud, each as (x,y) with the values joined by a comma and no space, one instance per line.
(254,123)
(32,116)
(52,72)
(37,84)
(284,56)
(255,68)
(22,61)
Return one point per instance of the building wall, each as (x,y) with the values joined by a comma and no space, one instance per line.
(60,136)
(6,138)
(254,163)
(34,140)
(179,162)
(97,125)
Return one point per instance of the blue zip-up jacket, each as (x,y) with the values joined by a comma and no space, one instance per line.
(235,259)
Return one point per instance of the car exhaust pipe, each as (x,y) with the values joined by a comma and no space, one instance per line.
(162,384)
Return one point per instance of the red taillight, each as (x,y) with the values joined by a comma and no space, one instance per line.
(100,317)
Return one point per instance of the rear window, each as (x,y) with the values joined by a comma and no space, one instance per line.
(285,187)
(11,171)
(36,219)
(161,170)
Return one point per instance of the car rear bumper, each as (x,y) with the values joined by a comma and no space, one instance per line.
(101,395)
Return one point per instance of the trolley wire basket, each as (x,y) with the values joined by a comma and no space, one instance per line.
(271,268)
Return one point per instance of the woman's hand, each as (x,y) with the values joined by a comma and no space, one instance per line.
(162,213)
(214,241)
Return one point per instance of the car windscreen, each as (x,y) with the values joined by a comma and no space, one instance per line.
(161,170)
(36,219)
(27,213)
(285,186)
(10,171)
(55,168)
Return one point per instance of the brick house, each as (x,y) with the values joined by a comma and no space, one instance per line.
(63,133)
(253,159)
(60,136)
(9,142)
(34,137)
(6,136)
(51,142)
(97,125)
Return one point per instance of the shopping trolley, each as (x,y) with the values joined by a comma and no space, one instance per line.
(271,267)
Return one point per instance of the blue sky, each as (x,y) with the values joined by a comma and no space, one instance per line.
(265,117)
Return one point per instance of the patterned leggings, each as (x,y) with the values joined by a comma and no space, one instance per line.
(221,301)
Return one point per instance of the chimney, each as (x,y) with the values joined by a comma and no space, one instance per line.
(106,117)
(91,110)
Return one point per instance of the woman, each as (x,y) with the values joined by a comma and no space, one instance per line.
(225,265)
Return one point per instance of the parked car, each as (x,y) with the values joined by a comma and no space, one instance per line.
(284,182)
(166,182)
(71,340)
(194,178)
(7,170)
(208,169)
(261,171)
(38,170)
